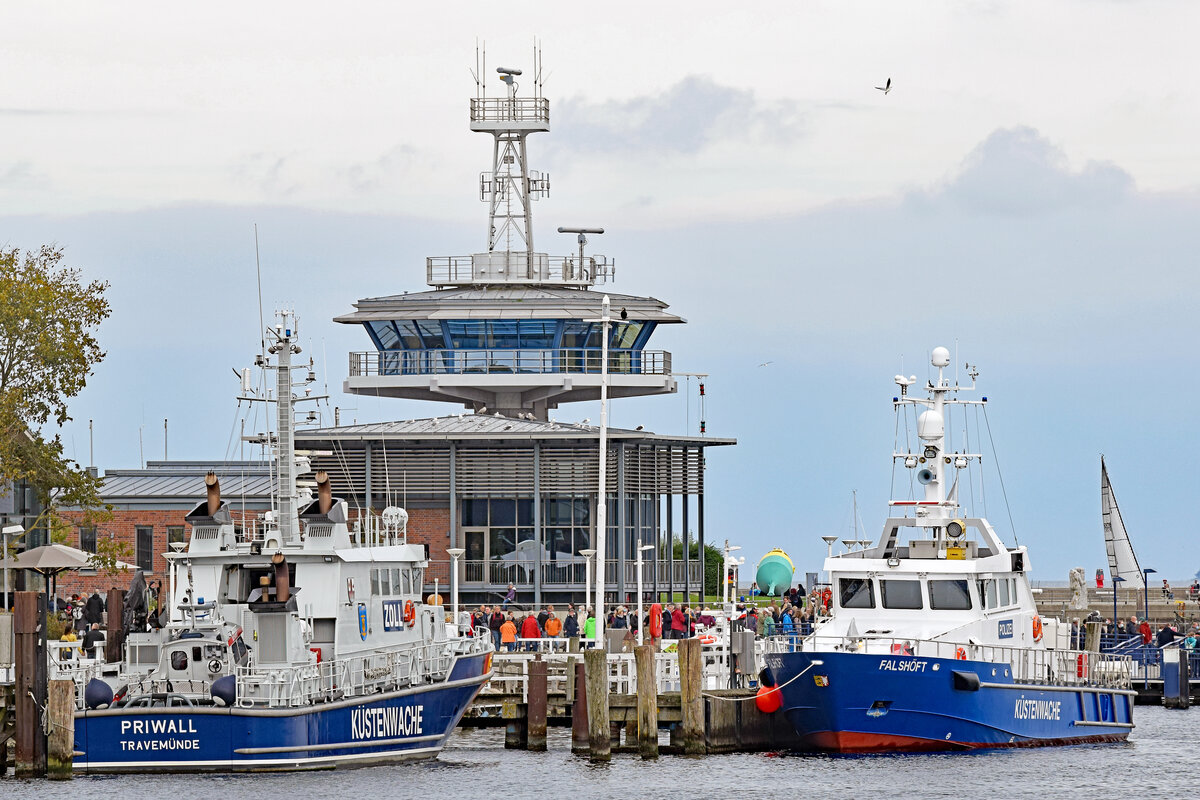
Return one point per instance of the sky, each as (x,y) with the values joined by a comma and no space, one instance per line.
(1025,195)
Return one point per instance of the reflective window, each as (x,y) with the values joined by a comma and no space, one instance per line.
(385,332)
(856,593)
(87,539)
(504,513)
(385,581)
(504,333)
(431,334)
(405,582)
(538,333)
(580,334)
(949,595)
(374,582)
(418,580)
(900,594)
(409,335)
(625,334)
(396,582)
(179,660)
(992,602)
(1004,598)
(467,334)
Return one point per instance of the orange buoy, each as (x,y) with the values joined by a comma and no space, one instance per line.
(768,699)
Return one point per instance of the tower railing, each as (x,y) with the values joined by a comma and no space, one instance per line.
(517,267)
(532,361)
(510,109)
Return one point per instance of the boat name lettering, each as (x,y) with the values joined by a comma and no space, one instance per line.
(158,726)
(902,665)
(1037,709)
(393,615)
(385,723)
(1005,627)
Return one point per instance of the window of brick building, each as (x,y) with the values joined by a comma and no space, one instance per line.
(175,534)
(145,547)
(87,540)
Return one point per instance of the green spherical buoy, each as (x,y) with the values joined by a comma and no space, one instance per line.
(774,573)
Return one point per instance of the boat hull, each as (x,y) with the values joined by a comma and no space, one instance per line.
(872,703)
(379,728)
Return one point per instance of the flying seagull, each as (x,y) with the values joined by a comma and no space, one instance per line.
(887,87)
(765,363)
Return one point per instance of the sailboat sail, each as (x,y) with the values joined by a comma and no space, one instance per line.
(1121,559)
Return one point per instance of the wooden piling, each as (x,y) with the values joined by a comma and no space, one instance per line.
(538,700)
(596,680)
(516,728)
(691,684)
(580,739)
(29,610)
(60,744)
(114,636)
(1091,638)
(647,702)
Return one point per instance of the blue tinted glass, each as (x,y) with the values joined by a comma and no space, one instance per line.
(504,512)
(474,513)
(431,332)
(386,333)
(625,334)
(467,334)
(537,333)
(580,334)
(504,333)
(408,334)
(525,512)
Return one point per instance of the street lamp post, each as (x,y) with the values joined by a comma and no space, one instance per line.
(8,530)
(1117,580)
(1146,590)
(455,554)
(587,592)
(605,321)
(640,549)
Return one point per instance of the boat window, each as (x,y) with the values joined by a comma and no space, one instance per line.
(179,660)
(949,595)
(992,602)
(385,581)
(406,581)
(374,582)
(396,581)
(900,594)
(1004,600)
(855,593)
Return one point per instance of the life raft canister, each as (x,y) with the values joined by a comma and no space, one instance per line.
(1081,665)
(410,613)
(1037,628)
(707,639)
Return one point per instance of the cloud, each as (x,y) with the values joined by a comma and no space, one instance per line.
(684,119)
(1019,172)
(368,176)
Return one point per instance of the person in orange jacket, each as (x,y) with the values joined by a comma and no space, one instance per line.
(508,633)
(553,624)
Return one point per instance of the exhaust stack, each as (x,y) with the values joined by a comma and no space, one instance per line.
(324,492)
(283,578)
(214,493)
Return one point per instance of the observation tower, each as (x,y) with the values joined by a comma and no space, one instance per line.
(510,329)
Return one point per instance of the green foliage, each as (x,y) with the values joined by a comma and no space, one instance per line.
(712,564)
(110,550)
(47,352)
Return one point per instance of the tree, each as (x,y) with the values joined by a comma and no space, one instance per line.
(48,349)
(712,564)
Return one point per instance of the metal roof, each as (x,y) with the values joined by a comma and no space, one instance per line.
(490,426)
(184,480)
(505,302)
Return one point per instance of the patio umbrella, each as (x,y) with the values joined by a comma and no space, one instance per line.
(51,559)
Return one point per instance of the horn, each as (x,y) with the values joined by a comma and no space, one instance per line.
(324,492)
(214,493)
(926,476)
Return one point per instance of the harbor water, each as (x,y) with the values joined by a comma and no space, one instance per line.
(1155,760)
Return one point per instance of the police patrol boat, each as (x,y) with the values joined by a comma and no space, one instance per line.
(933,640)
(296,641)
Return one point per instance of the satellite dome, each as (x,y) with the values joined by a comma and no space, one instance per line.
(941,357)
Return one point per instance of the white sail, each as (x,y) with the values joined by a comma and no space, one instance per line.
(1121,559)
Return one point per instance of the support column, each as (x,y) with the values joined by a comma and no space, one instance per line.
(29,612)
(670,533)
(700,526)
(622,524)
(686,536)
(453,492)
(367,450)
(538,533)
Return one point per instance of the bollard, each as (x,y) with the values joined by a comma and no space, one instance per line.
(60,744)
(647,702)
(536,715)
(30,630)
(580,740)
(114,636)
(690,699)
(1091,637)
(596,681)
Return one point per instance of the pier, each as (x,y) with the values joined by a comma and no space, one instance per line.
(604,695)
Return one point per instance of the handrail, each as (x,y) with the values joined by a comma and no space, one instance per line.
(508,360)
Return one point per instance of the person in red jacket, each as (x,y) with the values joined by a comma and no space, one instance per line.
(530,630)
(1146,631)
(678,624)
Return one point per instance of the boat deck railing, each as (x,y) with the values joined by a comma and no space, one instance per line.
(1025,664)
(357,675)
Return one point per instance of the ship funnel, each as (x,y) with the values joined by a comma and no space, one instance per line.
(283,578)
(324,492)
(214,493)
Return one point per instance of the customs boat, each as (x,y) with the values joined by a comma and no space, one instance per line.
(296,640)
(932,639)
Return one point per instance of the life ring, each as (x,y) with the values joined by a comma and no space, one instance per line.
(707,639)
(960,654)
(1037,628)
(656,621)
(410,613)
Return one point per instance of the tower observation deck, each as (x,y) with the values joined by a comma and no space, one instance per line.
(510,330)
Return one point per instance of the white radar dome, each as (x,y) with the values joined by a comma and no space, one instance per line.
(930,426)
(941,357)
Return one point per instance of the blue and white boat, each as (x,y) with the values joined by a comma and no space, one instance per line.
(297,640)
(933,640)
